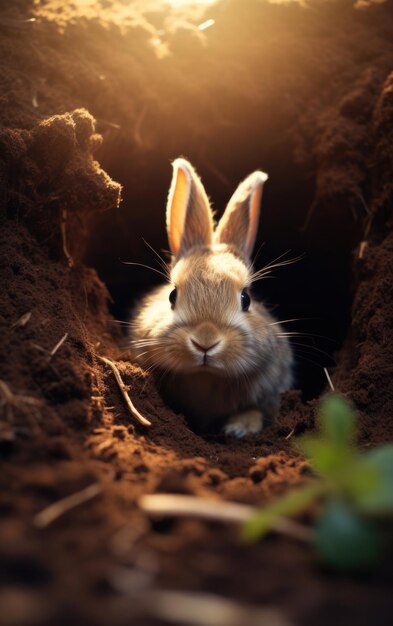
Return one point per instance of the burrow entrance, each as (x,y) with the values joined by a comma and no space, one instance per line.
(315,291)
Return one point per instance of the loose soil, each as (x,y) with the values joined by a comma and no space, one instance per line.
(307,94)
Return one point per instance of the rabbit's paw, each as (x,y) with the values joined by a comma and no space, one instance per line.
(242,424)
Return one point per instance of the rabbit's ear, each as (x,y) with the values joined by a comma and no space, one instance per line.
(239,224)
(189,219)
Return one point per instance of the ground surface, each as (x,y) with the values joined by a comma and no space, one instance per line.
(317,113)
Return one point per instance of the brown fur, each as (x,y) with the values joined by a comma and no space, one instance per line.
(213,361)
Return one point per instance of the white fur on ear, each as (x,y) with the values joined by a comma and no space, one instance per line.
(188,217)
(239,224)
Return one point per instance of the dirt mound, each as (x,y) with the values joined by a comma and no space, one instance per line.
(325,130)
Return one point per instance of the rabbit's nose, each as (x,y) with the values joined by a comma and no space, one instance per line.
(204,348)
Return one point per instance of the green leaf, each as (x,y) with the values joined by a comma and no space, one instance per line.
(347,473)
(337,420)
(291,503)
(360,482)
(331,452)
(327,458)
(379,499)
(345,541)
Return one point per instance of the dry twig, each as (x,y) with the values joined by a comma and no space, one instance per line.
(58,345)
(329,379)
(206,24)
(40,348)
(207,609)
(55,510)
(232,512)
(22,321)
(104,445)
(15,23)
(130,405)
(290,434)
(362,248)
(34,100)
(110,124)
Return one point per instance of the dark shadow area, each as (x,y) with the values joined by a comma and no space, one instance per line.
(314,291)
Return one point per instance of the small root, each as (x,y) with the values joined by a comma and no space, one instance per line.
(51,353)
(22,321)
(290,434)
(207,609)
(206,24)
(34,100)
(54,511)
(110,124)
(362,248)
(10,400)
(104,445)
(130,405)
(63,226)
(229,512)
(58,345)
(40,348)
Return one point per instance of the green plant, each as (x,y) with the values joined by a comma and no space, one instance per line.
(354,489)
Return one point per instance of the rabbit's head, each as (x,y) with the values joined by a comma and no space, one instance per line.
(206,317)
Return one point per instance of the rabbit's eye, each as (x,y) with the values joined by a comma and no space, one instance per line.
(172,297)
(245,300)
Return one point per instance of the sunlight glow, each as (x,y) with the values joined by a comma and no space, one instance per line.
(181,3)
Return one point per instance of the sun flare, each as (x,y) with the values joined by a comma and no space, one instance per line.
(181,3)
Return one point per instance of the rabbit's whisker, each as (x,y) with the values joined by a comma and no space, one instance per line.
(147,352)
(148,340)
(292,319)
(307,335)
(301,357)
(153,269)
(266,270)
(308,349)
(162,262)
(145,342)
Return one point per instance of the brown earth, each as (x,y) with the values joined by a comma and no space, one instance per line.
(307,94)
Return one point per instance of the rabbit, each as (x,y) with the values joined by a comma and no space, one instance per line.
(218,355)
